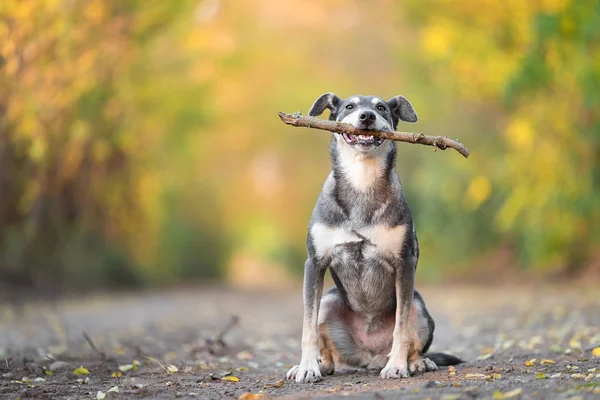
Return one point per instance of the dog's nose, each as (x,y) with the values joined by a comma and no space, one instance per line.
(367,116)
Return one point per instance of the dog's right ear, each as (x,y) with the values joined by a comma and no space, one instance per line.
(327,100)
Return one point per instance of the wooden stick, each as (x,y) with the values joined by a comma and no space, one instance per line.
(438,142)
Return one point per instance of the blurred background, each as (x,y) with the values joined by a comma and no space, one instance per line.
(140,146)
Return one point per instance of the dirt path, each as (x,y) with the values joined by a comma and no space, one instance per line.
(498,330)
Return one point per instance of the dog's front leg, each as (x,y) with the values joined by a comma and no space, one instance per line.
(308,370)
(397,365)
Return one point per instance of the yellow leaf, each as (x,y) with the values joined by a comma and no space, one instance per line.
(478,191)
(531,362)
(172,369)
(334,389)
(507,395)
(476,376)
(81,371)
(596,352)
(126,367)
(541,375)
(230,378)
(546,361)
(575,344)
(117,374)
(520,134)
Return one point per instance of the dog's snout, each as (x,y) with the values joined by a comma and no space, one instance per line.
(367,116)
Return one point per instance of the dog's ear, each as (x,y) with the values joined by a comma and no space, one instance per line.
(402,110)
(327,100)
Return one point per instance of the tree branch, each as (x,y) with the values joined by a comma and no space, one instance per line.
(438,142)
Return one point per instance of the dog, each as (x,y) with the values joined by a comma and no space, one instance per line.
(362,230)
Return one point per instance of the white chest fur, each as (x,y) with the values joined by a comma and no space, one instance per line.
(361,169)
(387,240)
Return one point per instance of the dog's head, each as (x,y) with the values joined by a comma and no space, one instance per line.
(365,112)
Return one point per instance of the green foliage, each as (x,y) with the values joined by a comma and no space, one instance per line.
(139,142)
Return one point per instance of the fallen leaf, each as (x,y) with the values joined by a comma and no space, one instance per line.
(578,376)
(245,355)
(475,376)
(557,375)
(507,395)
(38,380)
(596,352)
(495,376)
(114,389)
(507,344)
(172,369)
(230,378)
(546,361)
(541,375)
(100,395)
(117,374)
(575,344)
(556,348)
(484,357)
(334,389)
(531,362)
(126,367)
(450,397)
(273,385)
(250,396)
(242,369)
(81,371)
(26,379)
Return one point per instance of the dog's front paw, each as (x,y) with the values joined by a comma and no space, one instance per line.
(305,373)
(394,372)
(422,365)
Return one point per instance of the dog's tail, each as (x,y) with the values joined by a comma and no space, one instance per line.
(443,360)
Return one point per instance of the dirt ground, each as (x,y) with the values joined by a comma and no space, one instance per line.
(518,342)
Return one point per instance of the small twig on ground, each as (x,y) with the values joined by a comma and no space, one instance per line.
(438,142)
(216,345)
(154,360)
(93,346)
(232,322)
(49,357)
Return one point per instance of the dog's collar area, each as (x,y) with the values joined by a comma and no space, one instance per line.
(362,140)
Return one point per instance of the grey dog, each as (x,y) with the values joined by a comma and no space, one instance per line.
(362,229)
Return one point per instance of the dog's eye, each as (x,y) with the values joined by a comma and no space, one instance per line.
(349,106)
(381,108)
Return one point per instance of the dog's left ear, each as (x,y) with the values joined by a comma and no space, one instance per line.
(402,110)
(327,100)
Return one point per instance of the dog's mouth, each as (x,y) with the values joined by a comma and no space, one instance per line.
(362,140)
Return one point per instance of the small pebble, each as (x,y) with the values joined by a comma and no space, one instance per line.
(60,366)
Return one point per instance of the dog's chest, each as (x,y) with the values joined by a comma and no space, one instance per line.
(363,261)
(374,240)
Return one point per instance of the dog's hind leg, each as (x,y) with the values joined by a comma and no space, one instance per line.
(422,327)
(336,343)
